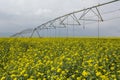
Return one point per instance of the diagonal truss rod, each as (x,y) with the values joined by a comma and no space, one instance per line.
(88,8)
(82,10)
(61,20)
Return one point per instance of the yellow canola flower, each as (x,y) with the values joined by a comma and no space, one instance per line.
(113,76)
(85,73)
(79,78)
(52,69)
(68,59)
(89,61)
(25,75)
(13,76)
(104,70)
(63,72)
(103,77)
(112,68)
(77,71)
(48,57)
(60,63)
(84,79)
(22,72)
(39,78)
(59,70)
(3,78)
(73,76)
(98,73)
(15,79)
(30,79)
(44,79)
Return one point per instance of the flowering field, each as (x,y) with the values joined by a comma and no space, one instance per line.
(59,59)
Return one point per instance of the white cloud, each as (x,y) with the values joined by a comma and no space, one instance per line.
(34,12)
(42,11)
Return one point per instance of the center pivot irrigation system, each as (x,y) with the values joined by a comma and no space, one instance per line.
(76,18)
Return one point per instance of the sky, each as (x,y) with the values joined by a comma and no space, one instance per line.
(17,15)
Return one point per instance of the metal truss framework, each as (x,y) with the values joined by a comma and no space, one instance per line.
(74,18)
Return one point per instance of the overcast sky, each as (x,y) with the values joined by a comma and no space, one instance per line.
(17,15)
